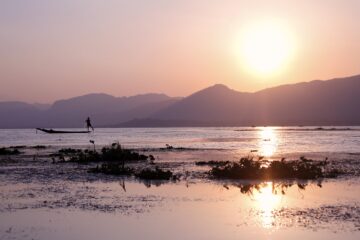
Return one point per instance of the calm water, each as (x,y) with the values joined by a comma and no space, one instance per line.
(41,200)
(267,140)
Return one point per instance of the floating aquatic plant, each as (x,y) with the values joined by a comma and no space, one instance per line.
(155,174)
(113,153)
(9,151)
(212,163)
(39,147)
(116,153)
(248,168)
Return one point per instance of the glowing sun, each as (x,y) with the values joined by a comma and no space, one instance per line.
(266,48)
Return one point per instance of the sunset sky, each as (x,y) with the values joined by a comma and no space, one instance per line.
(53,49)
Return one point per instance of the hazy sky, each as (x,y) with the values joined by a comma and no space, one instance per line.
(52,49)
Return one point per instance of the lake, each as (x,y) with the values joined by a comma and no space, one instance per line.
(41,200)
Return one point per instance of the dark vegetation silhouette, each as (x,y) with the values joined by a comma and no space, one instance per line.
(113,162)
(212,163)
(9,151)
(249,168)
(113,169)
(113,153)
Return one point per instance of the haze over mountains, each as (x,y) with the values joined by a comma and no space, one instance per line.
(103,109)
(331,102)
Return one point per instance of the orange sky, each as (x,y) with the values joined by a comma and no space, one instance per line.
(58,49)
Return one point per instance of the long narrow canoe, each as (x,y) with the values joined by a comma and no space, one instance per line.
(58,131)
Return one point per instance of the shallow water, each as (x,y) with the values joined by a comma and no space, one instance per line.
(267,140)
(41,200)
(193,211)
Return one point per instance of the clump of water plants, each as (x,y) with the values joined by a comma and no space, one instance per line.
(112,169)
(9,151)
(249,168)
(169,147)
(85,156)
(116,153)
(69,151)
(39,147)
(66,152)
(113,153)
(18,147)
(212,163)
(155,174)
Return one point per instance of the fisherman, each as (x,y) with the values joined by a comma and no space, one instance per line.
(88,124)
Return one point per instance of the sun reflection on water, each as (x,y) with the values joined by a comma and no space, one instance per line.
(268,141)
(266,202)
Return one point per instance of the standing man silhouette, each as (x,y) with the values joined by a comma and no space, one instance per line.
(88,124)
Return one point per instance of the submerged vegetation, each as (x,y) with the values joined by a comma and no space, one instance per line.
(39,147)
(169,147)
(112,169)
(144,174)
(15,150)
(68,151)
(85,156)
(18,147)
(212,163)
(249,168)
(9,151)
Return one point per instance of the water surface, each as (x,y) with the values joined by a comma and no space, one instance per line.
(41,200)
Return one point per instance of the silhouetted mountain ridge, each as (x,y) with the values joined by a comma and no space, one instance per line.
(331,102)
(103,109)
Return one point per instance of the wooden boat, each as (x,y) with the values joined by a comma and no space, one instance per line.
(52,131)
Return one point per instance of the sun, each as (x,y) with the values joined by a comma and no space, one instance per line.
(266,48)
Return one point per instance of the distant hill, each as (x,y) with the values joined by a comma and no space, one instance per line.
(331,102)
(213,104)
(104,110)
(18,115)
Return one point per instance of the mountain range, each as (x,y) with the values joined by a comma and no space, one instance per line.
(330,102)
